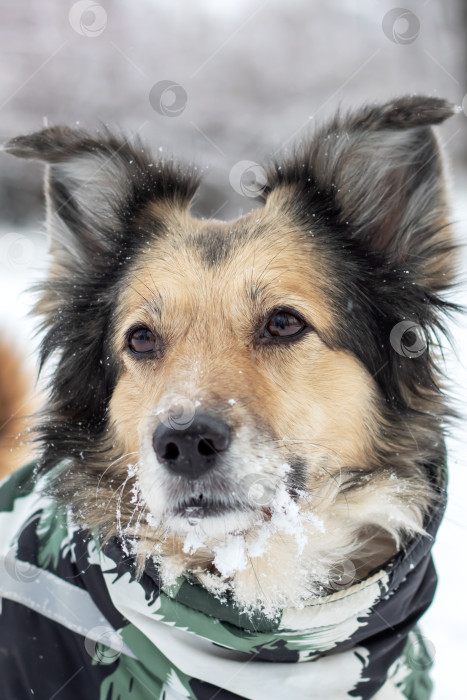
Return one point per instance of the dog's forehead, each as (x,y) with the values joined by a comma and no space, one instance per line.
(216,243)
(259,238)
(258,258)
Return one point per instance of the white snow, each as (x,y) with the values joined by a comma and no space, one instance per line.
(193,541)
(230,556)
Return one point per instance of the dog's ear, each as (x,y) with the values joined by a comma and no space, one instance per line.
(376,176)
(97,185)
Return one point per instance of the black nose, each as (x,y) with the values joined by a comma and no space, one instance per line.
(194,450)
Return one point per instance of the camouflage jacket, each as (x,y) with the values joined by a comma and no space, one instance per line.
(75,622)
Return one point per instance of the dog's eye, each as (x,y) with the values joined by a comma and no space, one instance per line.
(141,340)
(284,324)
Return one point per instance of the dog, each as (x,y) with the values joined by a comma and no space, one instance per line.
(248,410)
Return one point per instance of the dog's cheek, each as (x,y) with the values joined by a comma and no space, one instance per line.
(346,396)
(128,413)
(329,408)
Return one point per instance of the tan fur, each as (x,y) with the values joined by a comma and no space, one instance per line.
(324,395)
(17,403)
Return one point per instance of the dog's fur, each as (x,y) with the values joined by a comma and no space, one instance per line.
(354,238)
(17,402)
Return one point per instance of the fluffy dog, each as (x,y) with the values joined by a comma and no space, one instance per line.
(254,404)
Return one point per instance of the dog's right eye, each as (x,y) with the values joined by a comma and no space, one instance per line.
(141,340)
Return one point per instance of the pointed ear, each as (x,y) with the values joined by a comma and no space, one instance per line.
(376,175)
(97,185)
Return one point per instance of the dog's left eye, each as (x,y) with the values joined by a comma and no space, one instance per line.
(284,324)
(141,340)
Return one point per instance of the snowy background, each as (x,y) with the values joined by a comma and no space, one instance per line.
(250,77)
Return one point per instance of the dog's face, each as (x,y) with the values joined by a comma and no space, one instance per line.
(229,380)
(216,379)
